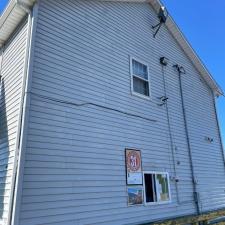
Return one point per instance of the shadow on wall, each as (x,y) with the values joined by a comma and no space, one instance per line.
(4,148)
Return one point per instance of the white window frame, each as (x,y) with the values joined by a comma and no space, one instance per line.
(169,192)
(133,75)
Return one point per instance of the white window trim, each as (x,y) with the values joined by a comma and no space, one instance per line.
(156,203)
(134,75)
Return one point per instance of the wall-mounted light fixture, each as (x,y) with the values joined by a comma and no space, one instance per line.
(164,61)
(162,15)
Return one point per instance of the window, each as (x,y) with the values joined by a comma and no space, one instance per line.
(139,79)
(156,187)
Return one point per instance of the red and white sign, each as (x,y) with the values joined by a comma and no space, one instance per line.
(133,161)
(133,166)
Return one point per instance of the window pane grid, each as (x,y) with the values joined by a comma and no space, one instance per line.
(140,78)
(140,69)
(134,75)
(140,86)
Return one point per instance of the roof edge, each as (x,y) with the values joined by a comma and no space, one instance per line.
(6,12)
(11,17)
(189,51)
(184,44)
(15,7)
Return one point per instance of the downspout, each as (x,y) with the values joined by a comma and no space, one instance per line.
(21,110)
(1,65)
(219,129)
(1,62)
(181,71)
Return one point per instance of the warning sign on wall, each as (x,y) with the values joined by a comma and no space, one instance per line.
(133,166)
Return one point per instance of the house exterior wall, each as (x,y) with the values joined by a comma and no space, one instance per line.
(12,70)
(74,171)
(207,158)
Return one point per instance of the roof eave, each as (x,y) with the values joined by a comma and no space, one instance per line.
(12,16)
(14,13)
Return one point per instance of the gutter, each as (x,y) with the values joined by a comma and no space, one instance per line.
(25,105)
(23,6)
(20,130)
(15,11)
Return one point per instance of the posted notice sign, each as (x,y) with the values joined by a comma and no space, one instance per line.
(133,166)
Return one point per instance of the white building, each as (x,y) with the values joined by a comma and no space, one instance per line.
(81,81)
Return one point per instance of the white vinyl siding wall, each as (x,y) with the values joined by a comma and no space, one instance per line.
(12,70)
(208,157)
(74,167)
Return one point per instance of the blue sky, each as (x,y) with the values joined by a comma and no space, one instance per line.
(203,24)
(2,5)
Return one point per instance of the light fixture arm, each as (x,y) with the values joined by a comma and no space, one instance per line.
(159,26)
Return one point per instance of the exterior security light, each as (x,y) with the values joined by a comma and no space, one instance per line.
(182,70)
(164,61)
(162,15)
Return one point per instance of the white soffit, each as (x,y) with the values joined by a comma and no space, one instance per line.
(11,17)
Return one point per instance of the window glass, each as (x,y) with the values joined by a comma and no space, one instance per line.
(156,187)
(140,86)
(140,69)
(162,187)
(140,78)
(149,188)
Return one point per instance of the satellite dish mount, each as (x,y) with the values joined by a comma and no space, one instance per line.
(162,15)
